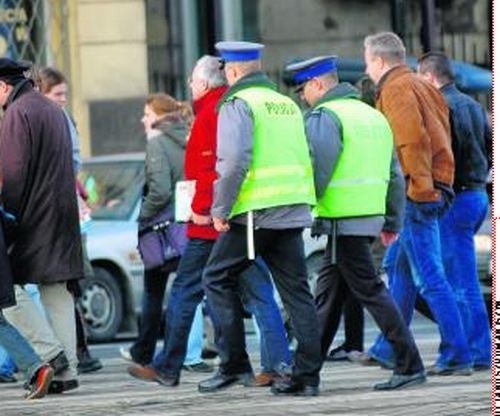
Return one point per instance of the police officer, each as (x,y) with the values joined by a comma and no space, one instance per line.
(360,193)
(262,201)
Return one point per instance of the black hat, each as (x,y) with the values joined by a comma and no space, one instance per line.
(12,71)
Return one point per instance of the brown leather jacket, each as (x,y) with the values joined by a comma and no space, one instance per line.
(418,115)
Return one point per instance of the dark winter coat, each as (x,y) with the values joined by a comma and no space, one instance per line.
(38,188)
(7,297)
(164,167)
(472,141)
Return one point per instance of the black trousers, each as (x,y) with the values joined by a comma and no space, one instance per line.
(155,282)
(356,272)
(354,322)
(283,252)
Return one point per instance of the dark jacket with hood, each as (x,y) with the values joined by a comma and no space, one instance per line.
(38,188)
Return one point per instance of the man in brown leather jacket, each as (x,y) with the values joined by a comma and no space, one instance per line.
(418,116)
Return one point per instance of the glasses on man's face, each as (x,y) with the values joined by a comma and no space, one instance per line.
(222,64)
(300,88)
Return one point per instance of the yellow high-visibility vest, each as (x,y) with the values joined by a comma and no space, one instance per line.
(359,183)
(280,172)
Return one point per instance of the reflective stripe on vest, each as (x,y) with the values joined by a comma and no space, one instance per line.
(359,183)
(280,172)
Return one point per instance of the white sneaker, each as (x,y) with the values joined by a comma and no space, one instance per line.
(354,356)
(125,353)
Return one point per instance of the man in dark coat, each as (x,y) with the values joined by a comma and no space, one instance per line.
(38,188)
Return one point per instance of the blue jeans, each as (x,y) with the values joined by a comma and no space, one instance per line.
(258,298)
(185,296)
(457,228)
(19,349)
(418,266)
(7,366)
(195,339)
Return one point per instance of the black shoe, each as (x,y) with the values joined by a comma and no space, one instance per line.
(435,370)
(286,386)
(4,378)
(482,367)
(89,365)
(208,354)
(60,386)
(220,381)
(400,381)
(59,363)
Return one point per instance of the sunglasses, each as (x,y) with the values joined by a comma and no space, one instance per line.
(222,64)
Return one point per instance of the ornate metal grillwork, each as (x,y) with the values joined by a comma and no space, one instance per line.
(35,30)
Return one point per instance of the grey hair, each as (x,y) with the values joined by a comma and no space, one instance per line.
(386,45)
(209,69)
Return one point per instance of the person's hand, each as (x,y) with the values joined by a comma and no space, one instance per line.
(201,219)
(388,237)
(221,225)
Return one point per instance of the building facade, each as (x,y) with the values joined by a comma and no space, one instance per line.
(115,52)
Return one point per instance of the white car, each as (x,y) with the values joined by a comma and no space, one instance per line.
(111,300)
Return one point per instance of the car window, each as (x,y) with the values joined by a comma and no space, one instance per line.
(113,187)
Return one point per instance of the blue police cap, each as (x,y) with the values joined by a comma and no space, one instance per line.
(239,51)
(314,67)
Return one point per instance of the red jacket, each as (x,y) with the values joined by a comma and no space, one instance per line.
(200,160)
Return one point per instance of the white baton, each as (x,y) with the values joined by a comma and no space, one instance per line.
(250,240)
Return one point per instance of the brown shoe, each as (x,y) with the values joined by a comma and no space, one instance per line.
(265,379)
(148,373)
(40,382)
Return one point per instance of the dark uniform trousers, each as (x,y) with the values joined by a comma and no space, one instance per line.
(283,252)
(354,270)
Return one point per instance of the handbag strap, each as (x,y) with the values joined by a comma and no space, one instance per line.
(154,227)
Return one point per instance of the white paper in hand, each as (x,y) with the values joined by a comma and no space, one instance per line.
(184,192)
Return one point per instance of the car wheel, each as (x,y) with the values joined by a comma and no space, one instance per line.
(101,305)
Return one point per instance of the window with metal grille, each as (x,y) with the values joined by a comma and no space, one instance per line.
(36,31)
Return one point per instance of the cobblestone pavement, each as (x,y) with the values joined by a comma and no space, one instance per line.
(345,390)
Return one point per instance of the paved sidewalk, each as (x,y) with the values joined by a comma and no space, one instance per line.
(345,390)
